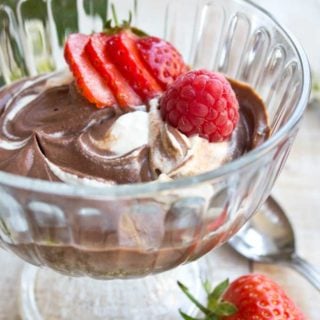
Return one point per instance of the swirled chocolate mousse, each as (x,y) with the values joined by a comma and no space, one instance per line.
(49,131)
(129,112)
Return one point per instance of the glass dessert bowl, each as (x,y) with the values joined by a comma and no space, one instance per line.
(131,231)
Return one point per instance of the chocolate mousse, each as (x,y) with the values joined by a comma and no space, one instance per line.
(49,131)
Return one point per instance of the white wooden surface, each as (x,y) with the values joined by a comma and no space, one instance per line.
(297,189)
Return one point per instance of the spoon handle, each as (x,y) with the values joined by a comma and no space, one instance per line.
(307,270)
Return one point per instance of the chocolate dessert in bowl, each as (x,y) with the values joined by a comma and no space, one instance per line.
(144,154)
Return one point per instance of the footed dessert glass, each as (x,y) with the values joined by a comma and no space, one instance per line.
(131,234)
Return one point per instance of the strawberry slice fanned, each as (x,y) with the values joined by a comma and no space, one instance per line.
(91,85)
(122,49)
(97,52)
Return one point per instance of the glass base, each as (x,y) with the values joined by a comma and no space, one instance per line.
(47,295)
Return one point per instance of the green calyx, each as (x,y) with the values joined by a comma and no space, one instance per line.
(216,308)
(113,26)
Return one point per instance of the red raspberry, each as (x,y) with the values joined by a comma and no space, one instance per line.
(201,102)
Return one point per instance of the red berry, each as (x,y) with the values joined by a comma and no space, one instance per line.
(201,102)
(122,50)
(96,50)
(91,85)
(164,62)
(258,297)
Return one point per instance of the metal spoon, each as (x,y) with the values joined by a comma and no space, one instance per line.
(269,238)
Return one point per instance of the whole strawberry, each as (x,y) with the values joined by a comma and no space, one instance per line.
(250,297)
(258,297)
(201,102)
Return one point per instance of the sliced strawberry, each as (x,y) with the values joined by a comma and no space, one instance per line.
(89,82)
(96,50)
(162,59)
(122,50)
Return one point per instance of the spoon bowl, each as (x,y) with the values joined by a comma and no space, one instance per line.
(269,238)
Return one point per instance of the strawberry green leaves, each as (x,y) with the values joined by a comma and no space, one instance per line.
(216,307)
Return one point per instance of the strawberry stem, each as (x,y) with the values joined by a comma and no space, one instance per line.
(125,25)
(130,18)
(114,15)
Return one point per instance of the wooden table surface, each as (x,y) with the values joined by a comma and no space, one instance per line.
(297,189)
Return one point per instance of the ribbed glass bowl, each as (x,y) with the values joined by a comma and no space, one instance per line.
(134,230)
